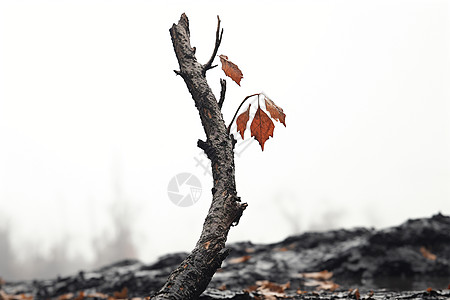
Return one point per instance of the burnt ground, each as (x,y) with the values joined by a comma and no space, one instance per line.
(400,262)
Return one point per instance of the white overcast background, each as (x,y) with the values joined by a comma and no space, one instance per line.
(94,123)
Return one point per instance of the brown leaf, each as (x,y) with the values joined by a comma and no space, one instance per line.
(322,285)
(242,120)
(223,287)
(275,111)
(271,290)
(123,294)
(238,260)
(231,70)
(262,127)
(251,288)
(97,295)
(328,285)
(354,293)
(427,254)
(322,275)
(3,295)
(429,290)
(272,286)
(80,296)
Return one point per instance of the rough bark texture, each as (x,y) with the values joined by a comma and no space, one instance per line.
(193,275)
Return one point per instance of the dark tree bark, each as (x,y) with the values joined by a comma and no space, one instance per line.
(193,275)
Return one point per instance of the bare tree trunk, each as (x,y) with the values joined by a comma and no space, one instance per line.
(193,275)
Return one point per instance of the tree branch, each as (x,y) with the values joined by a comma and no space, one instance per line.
(223,85)
(193,275)
(208,65)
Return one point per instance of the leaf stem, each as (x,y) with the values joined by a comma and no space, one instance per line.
(235,114)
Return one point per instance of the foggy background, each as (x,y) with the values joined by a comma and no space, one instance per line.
(94,123)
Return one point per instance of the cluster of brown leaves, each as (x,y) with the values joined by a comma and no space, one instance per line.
(4,296)
(262,126)
(321,280)
(269,290)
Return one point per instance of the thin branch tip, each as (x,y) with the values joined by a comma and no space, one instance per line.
(223,86)
(219,34)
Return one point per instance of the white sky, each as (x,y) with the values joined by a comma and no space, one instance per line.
(88,98)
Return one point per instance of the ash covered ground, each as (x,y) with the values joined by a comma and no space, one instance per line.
(409,261)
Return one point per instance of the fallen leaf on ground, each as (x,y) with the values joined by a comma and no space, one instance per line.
(80,296)
(354,293)
(123,294)
(251,288)
(271,290)
(320,280)
(282,249)
(66,296)
(322,285)
(3,295)
(427,254)
(98,296)
(322,275)
(238,260)
(272,286)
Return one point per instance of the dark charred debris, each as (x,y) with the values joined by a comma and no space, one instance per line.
(410,261)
